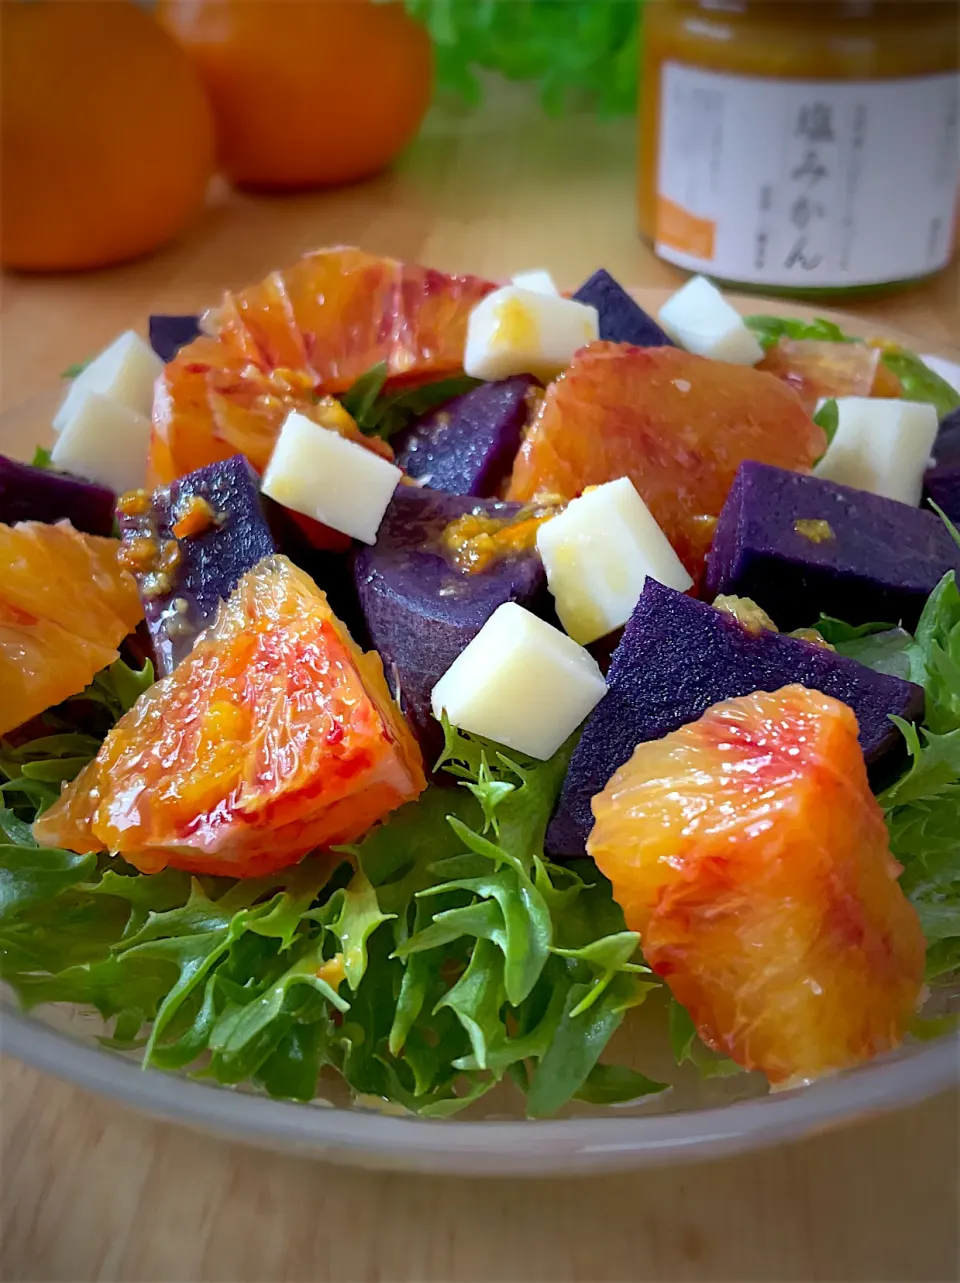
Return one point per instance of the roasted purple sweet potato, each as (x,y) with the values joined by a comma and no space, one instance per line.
(800,546)
(420,609)
(168,334)
(622,319)
(942,479)
(678,657)
(469,444)
(188,545)
(37,494)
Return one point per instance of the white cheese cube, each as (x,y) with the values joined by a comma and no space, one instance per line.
(317,472)
(124,372)
(597,554)
(882,446)
(521,683)
(949,371)
(700,319)
(539,281)
(104,441)
(518,331)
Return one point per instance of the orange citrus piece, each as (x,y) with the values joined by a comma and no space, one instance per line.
(300,334)
(65,606)
(749,853)
(677,425)
(275,736)
(818,368)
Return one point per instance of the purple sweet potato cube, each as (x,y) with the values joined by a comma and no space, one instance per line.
(799,546)
(232,536)
(469,444)
(168,333)
(680,656)
(622,319)
(942,479)
(420,609)
(37,494)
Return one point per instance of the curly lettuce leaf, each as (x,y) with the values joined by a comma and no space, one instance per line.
(573,49)
(437,956)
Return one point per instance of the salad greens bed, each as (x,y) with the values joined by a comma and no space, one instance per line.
(444,952)
(467,956)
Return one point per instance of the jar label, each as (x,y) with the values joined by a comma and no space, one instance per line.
(807,183)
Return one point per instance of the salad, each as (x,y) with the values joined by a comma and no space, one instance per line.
(404,677)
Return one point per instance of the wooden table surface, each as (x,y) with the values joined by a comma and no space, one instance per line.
(89,1191)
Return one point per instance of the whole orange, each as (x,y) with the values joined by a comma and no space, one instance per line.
(106,141)
(306,93)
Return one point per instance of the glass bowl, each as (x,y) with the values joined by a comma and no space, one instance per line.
(696,1119)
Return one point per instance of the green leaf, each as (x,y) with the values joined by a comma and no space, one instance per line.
(76,368)
(919,382)
(828,418)
(885,652)
(360,399)
(384,414)
(42,458)
(770,329)
(30,875)
(578,1043)
(359,917)
(686,1045)
(616,1085)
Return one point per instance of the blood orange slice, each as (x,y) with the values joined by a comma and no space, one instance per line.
(275,736)
(750,854)
(677,425)
(310,330)
(65,606)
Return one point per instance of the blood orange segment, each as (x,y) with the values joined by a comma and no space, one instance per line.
(314,328)
(275,736)
(677,425)
(748,851)
(65,606)
(817,368)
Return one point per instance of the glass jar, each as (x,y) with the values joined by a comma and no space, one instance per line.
(802,148)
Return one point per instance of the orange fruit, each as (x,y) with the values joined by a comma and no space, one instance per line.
(275,736)
(749,853)
(65,606)
(306,94)
(677,425)
(310,330)
(817,368)
(106,140)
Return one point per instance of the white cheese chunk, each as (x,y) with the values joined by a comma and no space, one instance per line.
(319,473)
(124,372)
(700,319)
(518,331)
(597,554)
(539,281)
(521,683)
(882,446)
(104,441)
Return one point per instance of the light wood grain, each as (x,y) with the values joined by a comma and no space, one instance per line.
(89,1191)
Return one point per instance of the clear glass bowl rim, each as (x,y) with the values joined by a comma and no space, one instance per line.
(560,1147)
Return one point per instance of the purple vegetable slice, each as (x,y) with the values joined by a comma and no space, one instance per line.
(622,319)
(420,609)
(800,546)
(169,333)
(37,494)
(942,480)
(678,657)
(469,444)
(188,545)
